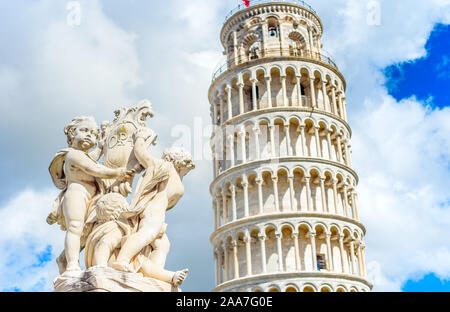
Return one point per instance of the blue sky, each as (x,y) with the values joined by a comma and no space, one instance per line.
(397,74)
(425,78)
(430,283)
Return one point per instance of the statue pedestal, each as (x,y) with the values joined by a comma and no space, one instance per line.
(106,279)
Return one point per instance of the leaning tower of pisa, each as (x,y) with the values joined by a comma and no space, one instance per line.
(284,192)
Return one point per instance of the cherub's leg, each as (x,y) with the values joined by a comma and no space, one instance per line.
(149,228)
(74,208)
(149,269)
(161,247)
(105,247)
(61,261)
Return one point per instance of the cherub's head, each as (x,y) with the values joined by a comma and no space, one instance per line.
(110,206)
(180,158)
(82,133)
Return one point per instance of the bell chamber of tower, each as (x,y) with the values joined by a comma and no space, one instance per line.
(286,215)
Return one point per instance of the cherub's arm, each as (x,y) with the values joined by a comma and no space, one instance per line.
(142,154)
(83,162)
(96,153)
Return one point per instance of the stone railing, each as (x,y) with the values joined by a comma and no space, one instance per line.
(242,6)
(267,53)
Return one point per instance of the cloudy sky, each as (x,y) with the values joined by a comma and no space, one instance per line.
(397,67)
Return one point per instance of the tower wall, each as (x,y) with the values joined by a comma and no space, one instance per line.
(284,192)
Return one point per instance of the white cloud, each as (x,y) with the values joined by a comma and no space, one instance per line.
(67,71)
(402,151)
(24,235)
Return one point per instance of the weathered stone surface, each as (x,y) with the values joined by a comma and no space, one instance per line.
(106,279)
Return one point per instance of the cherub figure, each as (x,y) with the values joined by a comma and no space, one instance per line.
(158,190)
(112,228)
(78,176)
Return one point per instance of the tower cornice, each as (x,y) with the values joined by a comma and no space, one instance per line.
(240,13)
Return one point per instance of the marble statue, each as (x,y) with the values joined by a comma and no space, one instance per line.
(120,238)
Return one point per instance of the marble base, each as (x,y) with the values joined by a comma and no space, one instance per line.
(106,279)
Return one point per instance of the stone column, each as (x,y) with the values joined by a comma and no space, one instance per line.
(227,263)
(215,215)
(245,186)
(233,202)
(235,259)
(363,247)
(222,110)
(303,138)
(324,199)
(352,196)
(344,107)
(231,149)
(344,191)
(329,252)
(248,253)
(355,201)
(220,266)
(235,48)
(298,85)
(279,251)
(339,148)
(341,249)
(275,193)
(360,264)
(330,155)
(257,147)
(230,106)
(259,182)
(313,92)
(335,195)
(347,154)
(225,210)
(262,241)
(291,191)
(218,212)
(215,113)
(333,95)
(312,237)
(215,168)
(254,95)
(324,92)
(318,145)
(297,251)
(341,109)
(216,262)
(352,256)
(265,35)
(272,140)
(283,88)
(308,193)
(269,92)
(242,134)
(288,140)
(241,98)
(310,37)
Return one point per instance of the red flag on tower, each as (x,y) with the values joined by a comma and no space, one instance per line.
(247,3)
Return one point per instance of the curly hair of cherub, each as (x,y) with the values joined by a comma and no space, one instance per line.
(179,156)
(69,129)
(110,206)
